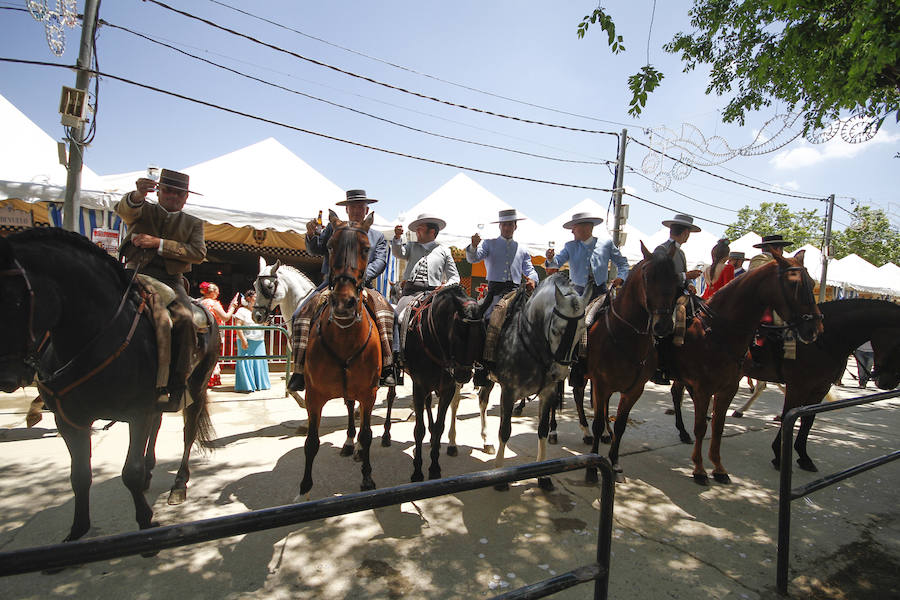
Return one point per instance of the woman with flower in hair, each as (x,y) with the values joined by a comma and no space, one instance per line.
(720,271)
(210,301)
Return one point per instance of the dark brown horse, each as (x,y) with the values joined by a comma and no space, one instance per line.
(711,360)
(445,337)
(69,315)
(621,353)
(343,358)
(809,376)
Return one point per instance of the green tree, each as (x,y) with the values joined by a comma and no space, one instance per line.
(870,236)
(820,57)
(801,227)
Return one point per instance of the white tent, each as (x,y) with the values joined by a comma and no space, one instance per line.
(696,249)
(855,272)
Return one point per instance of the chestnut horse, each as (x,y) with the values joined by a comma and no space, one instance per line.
(809,376)
(445,338)
(710,362)
(343,359)
(621,353)
(70,316)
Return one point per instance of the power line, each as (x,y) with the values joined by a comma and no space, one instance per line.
(683,195)
(414,71)
(349,108)
(375,81)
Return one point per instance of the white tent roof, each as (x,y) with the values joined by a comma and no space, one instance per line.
(464,204)
(855,272)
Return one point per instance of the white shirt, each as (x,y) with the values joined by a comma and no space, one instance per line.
(243,317)
(437,268)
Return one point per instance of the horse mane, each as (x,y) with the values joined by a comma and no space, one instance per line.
(296,271)
(74,240)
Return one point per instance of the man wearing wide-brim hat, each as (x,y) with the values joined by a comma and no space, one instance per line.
(737,260)
(771,246)
(357,206)
(680,229)
(164,242)
(587,256)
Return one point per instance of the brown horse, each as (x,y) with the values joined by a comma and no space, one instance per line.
(621,342)
(343,359)
(710,362)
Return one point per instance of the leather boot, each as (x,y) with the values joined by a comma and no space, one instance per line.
(297,382)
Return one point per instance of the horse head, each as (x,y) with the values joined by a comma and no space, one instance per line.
(17,307)
(348,256)
(564,317)
(268,291)
(795,301)
(660,288)
(467,336)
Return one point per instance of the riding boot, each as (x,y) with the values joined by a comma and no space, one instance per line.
(387,377)
(297,382)
(660,378)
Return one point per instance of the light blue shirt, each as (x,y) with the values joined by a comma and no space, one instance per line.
(591,254)
(504,260)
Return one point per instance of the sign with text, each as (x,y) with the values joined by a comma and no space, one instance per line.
(11,217)
(108,239)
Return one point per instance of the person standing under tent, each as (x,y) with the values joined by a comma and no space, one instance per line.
(250,375)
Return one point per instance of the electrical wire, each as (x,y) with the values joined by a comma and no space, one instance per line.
(375,81)
(683,195)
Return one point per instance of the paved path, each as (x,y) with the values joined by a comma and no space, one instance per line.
(672,538)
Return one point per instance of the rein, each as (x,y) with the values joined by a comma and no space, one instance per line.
(447,360)
(344,362)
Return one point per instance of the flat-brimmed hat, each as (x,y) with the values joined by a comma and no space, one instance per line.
(685,220)
(428,218)
(773,240)
(508,215)
(736,256)
(356,196)
(582,217)
(174,179)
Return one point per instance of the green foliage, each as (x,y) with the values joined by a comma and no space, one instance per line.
(819,58)
(641,84)
(870,236)
(801,227)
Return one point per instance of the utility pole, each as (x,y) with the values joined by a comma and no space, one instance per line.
(826,250)
(72,203)
(618,189)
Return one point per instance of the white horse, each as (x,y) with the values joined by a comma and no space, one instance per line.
(285,287)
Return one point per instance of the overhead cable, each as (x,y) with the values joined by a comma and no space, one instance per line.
(375,81)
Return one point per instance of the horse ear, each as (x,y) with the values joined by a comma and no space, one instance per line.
(367,222)
(262,264)
(644,251)
(800,255)
(333,218)
(277,264)
(560,297)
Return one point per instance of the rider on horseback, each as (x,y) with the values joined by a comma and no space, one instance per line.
(429,265)
(317,243)
(771,246)
(165,259)
(506,262)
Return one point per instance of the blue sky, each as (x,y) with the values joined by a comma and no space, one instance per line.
(524,50)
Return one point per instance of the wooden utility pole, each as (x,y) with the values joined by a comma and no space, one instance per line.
(72,203)
(618,189)
(826,249)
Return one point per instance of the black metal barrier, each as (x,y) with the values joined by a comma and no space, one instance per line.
(786,494)
(153,540)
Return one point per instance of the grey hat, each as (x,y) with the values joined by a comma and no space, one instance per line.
(508,215)
(684,220)
(736,256)
(356,196)
(582,217)
(428,218)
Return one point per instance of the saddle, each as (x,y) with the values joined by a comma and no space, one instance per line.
(596,306)
(412,308)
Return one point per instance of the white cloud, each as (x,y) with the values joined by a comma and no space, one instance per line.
(791,185)
(806,154)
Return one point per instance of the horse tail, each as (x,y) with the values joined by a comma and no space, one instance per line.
(205,430)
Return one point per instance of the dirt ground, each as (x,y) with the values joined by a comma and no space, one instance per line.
(671,537)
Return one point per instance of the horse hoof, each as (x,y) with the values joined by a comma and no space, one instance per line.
(669,411)
(807,465)
(737,414)
(517,411)
(605,439)
(347,450)
(590,475)
(502,487)
(357,456)
(434,473)
(489,449)
(367,485)
(701,479)
(553,438)
(545,484)
(452,451)
(776,463)
(722,477)
(177,496)
(685,438)
(416,477)
(385,442)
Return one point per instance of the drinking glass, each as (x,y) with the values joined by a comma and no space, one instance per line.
(153,172)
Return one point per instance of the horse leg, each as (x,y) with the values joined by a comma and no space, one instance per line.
(677,397)
(452,450)
(519,408)
(547,406)
(484,397)
(597,426)
(347,448)
(365,439)
(311,447)
(419,399)
(720,407)
(578,395)
(757,391)
(701,404)
(133,471)
(197,428)
(78,441)
(626,403)
(386,436)
(445,398)
(803,459)
(557,404)
(299,399)
(506,409)
(150,451)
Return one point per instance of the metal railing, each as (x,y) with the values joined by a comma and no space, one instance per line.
(278,345)
(153,540)
(285,356)
(786,494)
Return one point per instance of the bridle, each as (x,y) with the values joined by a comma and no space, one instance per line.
(657,312)
(566,347)
(802,287)
(357,283)
(264,293)
(33,349)
(447,359)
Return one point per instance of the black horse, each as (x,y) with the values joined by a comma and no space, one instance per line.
(444,339)
(808,377)
(69,316)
